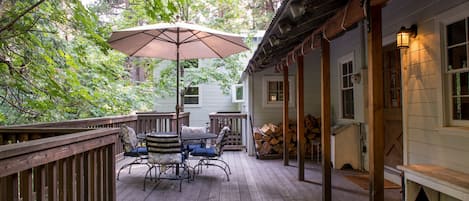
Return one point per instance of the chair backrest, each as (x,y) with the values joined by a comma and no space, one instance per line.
(164,149)
(222,139)
(128,138)
(193,130)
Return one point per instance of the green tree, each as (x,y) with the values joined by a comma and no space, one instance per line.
(55,64)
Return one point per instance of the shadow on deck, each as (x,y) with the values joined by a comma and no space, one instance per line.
(251,180)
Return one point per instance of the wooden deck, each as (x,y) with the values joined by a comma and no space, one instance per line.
(251,180)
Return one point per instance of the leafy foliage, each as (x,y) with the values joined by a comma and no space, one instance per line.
(55,63)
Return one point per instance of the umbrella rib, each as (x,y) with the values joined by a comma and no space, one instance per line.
(215,35)
(163,32)
(193,35)
(161,39)
(157,37)
(138,49)
(208,45)
(125,37)
(231,41)
(145,44)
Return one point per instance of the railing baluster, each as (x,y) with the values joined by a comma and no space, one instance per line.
(112,173)
(106,170)
(52,181)
(80,184)
(62,180)
(71,179)
(40,182)
(99,177)
(93,174)
(26,185)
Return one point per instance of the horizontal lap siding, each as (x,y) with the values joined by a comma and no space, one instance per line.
(427,143)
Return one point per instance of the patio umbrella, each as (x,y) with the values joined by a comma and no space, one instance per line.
(176,41)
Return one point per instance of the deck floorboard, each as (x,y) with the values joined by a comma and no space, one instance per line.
(251,180)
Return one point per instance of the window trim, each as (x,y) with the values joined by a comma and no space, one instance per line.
(199,97)
(345,59)
(265,90)
(234,87)
(446,73)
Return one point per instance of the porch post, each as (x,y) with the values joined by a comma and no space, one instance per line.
(300,119)
(286,93)
(326,120)
(375,107)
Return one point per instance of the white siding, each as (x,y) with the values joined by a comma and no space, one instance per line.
(211,99)
(312,87)
(427,140)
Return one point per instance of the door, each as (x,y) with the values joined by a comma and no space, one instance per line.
(393,152)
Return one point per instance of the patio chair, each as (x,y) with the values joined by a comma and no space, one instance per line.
(165,153)
(210,156)
(132,149)
(190,145)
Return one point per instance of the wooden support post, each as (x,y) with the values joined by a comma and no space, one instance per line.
(286,140)
(375,107)
(326,120)
(300,118)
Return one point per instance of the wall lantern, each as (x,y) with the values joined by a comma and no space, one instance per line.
(403,36)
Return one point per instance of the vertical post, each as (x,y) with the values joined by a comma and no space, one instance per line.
(177,82)
(52,169)
(326,120)
(286,94)
(112,174)
(300,118)
(375,107)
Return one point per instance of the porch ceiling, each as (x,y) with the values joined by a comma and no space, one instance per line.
(297,28)
(294,21)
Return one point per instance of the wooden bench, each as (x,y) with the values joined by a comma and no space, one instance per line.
(441,179)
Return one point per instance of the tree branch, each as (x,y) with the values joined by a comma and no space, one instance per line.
(9,25)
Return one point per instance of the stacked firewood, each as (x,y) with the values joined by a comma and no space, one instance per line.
(269,138)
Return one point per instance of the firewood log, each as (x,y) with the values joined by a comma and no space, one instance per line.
(274,141)
(265,149)
(257,136)
(277,148)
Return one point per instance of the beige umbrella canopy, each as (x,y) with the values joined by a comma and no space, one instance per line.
(176,41)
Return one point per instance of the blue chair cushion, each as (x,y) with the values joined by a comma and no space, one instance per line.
(191,147)
(207,152)
(137,152)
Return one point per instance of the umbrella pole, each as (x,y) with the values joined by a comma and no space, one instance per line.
(177,84)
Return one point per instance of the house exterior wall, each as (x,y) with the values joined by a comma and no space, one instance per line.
(312,98)
(350,45)
(211,99)
(427,138)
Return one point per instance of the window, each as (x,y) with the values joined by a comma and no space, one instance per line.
(191,96)
(274,91)
(273,94)
(346,87)
(457,42)
(237,93)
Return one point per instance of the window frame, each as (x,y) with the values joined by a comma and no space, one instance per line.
(342,60)
(448,73)
(234,89)
(265,90)
(198,96)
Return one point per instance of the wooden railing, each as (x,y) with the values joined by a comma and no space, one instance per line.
(69,166)
(143,122)
(238,124)
(160,121)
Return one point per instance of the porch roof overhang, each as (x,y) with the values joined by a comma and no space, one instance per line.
(299,25)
